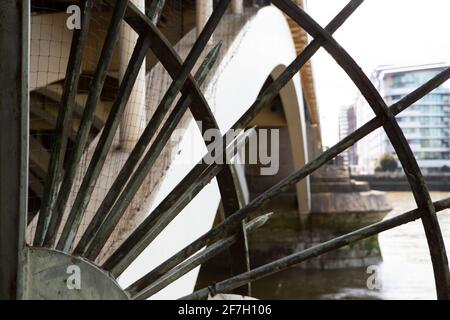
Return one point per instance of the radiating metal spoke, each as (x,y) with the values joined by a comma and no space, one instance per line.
(99,157)
(150,284)
(174,203)
(141,172)
(128,251)
(101,151)
(108,222)
(54,172)
(85,125)
(231,223)
(298,257)
(202,114)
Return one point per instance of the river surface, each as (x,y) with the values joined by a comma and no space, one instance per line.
(405,272)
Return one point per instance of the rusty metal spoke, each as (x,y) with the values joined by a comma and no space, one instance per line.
(73,72)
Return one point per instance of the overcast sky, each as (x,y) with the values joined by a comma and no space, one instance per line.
(380,32)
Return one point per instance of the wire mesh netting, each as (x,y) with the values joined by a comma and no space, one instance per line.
(51,40)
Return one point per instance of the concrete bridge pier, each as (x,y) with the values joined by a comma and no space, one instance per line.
(203,10)
(237,6)
(338,205)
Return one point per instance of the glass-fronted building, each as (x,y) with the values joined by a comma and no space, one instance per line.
(426,124)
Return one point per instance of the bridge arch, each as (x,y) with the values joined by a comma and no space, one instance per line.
(294,112)
(260,43)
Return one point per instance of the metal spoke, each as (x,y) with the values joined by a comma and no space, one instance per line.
(202,113)
(54,172)
(108,222)
(231,223)
(298,257)
(156,8)
(141,172)
(127,250)
(48,235)
(99,157)
(149,284)
(101,151)
(170,207)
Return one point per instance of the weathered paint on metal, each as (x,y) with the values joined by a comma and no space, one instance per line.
(55,167)
(14,113)
(156,8)
(48,237)
(218,238)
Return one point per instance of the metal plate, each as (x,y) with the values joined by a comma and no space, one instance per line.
(52,275)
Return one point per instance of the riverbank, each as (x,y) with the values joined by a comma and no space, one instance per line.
(398,182)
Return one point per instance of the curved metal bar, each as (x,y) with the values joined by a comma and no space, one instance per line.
(413,173)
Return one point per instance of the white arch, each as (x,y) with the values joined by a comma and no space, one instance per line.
(294,112)
(266,49)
